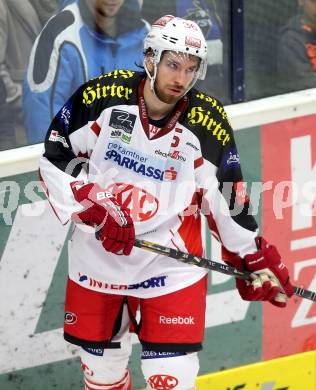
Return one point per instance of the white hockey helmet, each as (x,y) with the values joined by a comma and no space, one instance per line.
(178,35)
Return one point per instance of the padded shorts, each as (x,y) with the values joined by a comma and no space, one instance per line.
(169,323)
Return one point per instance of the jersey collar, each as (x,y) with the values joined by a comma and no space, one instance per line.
(178,111)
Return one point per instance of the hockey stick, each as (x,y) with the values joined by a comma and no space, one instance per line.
(210,265)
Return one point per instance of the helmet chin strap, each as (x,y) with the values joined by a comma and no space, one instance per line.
(152,77)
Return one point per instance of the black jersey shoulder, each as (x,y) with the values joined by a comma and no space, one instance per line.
(111,89)
(207,119)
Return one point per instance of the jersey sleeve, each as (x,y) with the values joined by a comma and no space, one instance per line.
(68,145)
(225,202)
(72,137)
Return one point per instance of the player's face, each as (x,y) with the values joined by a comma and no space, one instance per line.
(104,8)
(174,75)
(310,11)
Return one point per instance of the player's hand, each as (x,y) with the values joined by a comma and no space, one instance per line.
(259,288)
(101,210)
(272,282)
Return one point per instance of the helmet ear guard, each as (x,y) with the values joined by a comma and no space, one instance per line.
(171,33)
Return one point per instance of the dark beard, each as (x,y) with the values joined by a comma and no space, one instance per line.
(165,98)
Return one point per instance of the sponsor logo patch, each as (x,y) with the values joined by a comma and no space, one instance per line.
(98,91)
(177,320)
(231,160)
(55,137)
(70,318)
(214,103)
(163,21)
(193,42)
(118,73)
(162,382)
(140,163)
(155,282)
(189,24)
(170,174)
(193,146)
(160,355)
(204,118)
(121,135)
(94,351)
(122,120)
(64,115)
(82,278)
(175,154)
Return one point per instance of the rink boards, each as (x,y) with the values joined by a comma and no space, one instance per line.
(276,138)
(296,372)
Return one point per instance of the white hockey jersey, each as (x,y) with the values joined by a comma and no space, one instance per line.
(166,178)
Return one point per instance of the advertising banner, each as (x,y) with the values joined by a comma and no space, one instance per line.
(294,372)
(289,210)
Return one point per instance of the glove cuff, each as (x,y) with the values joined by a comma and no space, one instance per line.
(237,262)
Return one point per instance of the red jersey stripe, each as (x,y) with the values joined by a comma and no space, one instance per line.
(95,128)
(198,162)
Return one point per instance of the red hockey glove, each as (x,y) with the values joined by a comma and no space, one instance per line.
(272,282)
(115,226)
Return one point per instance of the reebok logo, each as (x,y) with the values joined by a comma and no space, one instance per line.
(256,261)
(177,320)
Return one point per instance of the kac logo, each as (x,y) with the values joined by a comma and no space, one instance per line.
(141,204)
(163,382)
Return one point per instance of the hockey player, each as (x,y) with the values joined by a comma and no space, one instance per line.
(144,153)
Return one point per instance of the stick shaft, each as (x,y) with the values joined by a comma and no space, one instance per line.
(209,264)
